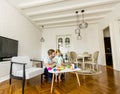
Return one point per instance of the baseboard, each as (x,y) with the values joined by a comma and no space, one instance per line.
(4,78)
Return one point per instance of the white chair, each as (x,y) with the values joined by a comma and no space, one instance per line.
(85,53)
(93,61)
(22,69)
(72,57)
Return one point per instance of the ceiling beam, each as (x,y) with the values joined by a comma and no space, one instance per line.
(66,25)
(72,15)
(77,6)
(37,3)
(68,20)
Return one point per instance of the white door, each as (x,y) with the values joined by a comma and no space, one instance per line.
(64,44)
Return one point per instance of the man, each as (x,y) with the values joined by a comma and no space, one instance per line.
(48,62)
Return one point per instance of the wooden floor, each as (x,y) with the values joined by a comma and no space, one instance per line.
(108,82)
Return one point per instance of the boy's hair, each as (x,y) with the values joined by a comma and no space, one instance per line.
(50,51)
(58,51)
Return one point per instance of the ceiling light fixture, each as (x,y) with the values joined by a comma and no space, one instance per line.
(42,39)
(77,30)
(83,24)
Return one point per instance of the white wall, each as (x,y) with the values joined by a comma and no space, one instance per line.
(111,20)
(90,41)
(16,26)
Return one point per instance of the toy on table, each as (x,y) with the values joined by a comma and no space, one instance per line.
(68,66)
(76,67)
(54,69)
(49,68)
(72,66)
(60,68)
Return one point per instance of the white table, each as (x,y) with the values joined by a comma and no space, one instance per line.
(64,71)
(83,56)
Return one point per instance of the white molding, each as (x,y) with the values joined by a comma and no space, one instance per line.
(66,25)
(4,78)
(71,7)
(37,3)
(68,21)
(73,15)
(48,14)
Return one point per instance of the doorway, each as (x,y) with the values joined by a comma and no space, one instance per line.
(107,45)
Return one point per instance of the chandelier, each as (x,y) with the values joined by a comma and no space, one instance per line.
(83,24)
(42,39)
(77,30)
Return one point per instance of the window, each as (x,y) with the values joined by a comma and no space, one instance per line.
(60,42)
(67,41)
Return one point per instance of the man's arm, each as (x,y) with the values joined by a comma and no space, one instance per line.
(50,65)
(53,65)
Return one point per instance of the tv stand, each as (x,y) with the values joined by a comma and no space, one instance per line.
(4,68)
(5,59)
(1,59)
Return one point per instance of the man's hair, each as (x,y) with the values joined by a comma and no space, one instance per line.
(50,51)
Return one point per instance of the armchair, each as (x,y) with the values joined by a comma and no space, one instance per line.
(21,68)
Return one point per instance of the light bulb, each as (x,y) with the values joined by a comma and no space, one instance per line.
(79,37)
(42,39)
(83,25)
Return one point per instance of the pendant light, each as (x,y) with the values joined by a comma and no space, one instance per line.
(42,39)
(83,24)
(77,30)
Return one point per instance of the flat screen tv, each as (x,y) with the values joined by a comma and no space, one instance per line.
(8,48)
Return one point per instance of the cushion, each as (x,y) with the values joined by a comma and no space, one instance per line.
(30,72)
(21,59)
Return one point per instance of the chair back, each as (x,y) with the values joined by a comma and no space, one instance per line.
(95,56)
(85,53)
(72,56)
(21,59)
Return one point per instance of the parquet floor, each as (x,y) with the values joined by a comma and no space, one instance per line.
(108,82)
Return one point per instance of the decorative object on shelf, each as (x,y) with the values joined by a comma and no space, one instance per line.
(77,30)
(83,24)
(42,39)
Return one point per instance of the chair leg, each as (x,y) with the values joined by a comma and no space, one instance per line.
(41,78)
(97,67)
(93,66)
(10,81)
(23,85)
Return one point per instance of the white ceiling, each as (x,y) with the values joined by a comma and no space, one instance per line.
(58,13)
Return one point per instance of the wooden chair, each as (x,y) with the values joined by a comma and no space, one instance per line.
(93,61)
(22,69)
(72,57)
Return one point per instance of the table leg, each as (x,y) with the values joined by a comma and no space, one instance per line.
(77,78)
(52,82)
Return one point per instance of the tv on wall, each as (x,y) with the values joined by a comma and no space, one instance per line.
(8,48)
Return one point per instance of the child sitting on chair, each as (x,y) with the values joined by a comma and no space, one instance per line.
(59,60)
